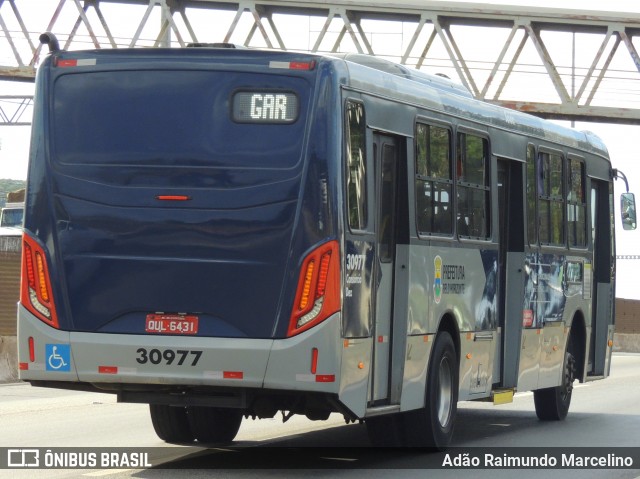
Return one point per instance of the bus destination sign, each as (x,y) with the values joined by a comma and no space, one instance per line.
(265,107)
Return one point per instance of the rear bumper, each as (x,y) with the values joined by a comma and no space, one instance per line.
(100,358)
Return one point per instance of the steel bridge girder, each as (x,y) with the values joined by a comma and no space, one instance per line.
(434,29)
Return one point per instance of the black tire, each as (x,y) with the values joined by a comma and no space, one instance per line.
(385,431)
(432,426)
(214,425)
(171,423)
(552,404)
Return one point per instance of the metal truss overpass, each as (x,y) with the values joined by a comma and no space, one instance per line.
(556,63)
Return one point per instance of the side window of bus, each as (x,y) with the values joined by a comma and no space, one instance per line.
(434,210)
(551,200)
(531,196)
(576,204)
(356,164)
(472,175)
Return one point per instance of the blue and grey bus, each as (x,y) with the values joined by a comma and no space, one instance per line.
(228,233)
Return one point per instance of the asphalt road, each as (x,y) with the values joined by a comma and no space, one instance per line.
(603,414)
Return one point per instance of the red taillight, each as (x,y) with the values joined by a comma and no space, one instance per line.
(30,274)
(318,294)
(42,280)
(302,65)
(293,65)
(306,287)
(35,289)
(74,62)
(66,63)
(32,349)
(173,197)
(314,360)
(323,275)
(326,378)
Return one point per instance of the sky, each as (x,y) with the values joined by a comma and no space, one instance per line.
(621,140)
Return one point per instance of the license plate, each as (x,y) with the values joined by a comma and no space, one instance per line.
(171,324)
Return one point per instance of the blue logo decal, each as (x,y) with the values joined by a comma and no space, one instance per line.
(437,284)
(58,357)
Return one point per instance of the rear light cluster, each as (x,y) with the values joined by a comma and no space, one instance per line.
(318,293)
(293,65)
(36,294)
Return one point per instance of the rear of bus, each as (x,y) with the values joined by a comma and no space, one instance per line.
(180,235)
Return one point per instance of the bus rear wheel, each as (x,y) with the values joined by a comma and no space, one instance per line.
(171,423)
(552,404)
(432,426)
(214,425)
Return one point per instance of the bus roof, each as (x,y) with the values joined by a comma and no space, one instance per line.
(376,76)
(446,96)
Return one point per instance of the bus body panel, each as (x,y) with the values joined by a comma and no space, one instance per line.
(114,224)
(291,360)
(399,334)
(415,371)
(460,282)
(355,373)
(170,360)
(558,289)
(554,342)
(186,361)
(531,348)
(135,278)
(457,280)
(602,329)
(478,359)
(512,329)
(231,254)
(223,231)
(609,351)
(37,368)
(145,255)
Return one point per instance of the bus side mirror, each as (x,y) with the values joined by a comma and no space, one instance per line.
(628,209)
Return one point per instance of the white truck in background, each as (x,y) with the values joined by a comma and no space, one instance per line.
(12,214)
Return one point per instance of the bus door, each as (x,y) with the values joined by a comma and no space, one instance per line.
(386,168)
(511,258)
(602,274)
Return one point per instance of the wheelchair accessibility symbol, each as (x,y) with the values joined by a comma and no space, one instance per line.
(58,357)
